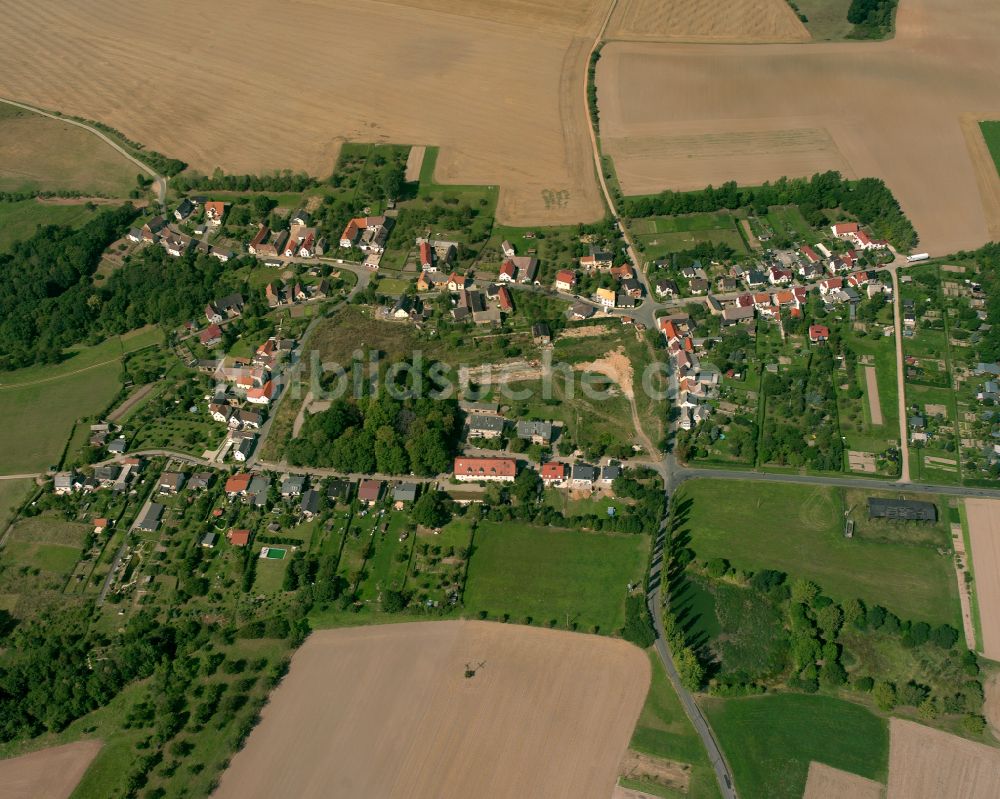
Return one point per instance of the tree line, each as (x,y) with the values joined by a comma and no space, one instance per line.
(284,181)
(868,199)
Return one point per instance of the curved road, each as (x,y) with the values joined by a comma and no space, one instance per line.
(159,181)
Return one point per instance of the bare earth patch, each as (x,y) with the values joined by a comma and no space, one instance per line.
(414,161)
(984,536)
(680,116)
(826,782)
(388,712)
(668,773)
(527,133)
(871,385)
(48,773)
(615,366)
(584,331)
(930,764)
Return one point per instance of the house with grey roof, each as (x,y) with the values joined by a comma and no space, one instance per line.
(536,432)
(582,475)
(258,489)
(610,471)
(405,492)
(340,490)
(485,426)
(293,485)
(66,483)
(310,504)
(149,522)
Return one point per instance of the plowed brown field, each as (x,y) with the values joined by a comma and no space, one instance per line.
(930,764)
(259,85)
(388,712)
(899,110)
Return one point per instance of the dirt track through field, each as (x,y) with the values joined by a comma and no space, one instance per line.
(871,385)
(495,85)
(930,764)
(48,773)
(682,116)
(984,536)
(387,712)
(826,782)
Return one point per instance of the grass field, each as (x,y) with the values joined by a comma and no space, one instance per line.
(19,220)
(798,529)
(41,403)
(770,740)
(665,731)
(991,133)
(827,19)
(661,235)
(549,574)
(41,154)
(12,494)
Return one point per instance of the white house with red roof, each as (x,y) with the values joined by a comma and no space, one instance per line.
(496,470)
(507,272)
(565,280)
(818,333)
(810,254)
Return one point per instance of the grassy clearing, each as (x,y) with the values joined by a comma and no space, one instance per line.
(827,19)
(41,403)
(19,220)
(12,494)
(770,741)
(991,133)
(662,235)
(553,575)
(799,529)
(42,154)
(664,730)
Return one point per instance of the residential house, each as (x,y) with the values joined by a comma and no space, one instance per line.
(292,486)
(818,333)
(310,504)
(632,287)
(610,471)
(228,307)
(527,268)
(262,395)
(536,432)
(259,488)
(405,492)
(583,475)
(554,473)
(606,298)
(665,288)
(243,449)
(149,522)
(597,259)
(507,249)
(210,336)
(755,279)
(508,272)
(340,490)
(237,485)
(369,491)
(171,482)
(431,280)
(581,310)
(238,538)
(151,230)
(457,282)
(565,280)
(502,470)
(184,210)
(214,212)
(427,256)
(199,481)
(504,300)
(66,483)
(485,426)
(540,333)
(259,239)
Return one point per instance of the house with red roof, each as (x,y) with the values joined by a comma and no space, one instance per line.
(844,229)
(426,256)
(565,280)
(507,272)
(503,298)
(811,255)
(214,211)
(496,470)
(831,284)
(554,473)
(818,333)
(237,485)
(238,538)
(262,395)
(210,336)
(369,491)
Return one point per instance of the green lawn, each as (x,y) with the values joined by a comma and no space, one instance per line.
(47,557)
(12,494)
(41,403)
(991,132)
(662,235)
(20,219)
(664,730)
(550,574)
(42,154)
(788,221)
(798,529)
(769,741)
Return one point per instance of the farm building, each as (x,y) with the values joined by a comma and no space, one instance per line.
(901,510)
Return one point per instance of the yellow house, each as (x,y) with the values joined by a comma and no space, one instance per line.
(606,297)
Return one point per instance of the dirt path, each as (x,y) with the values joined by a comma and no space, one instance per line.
(874,406)
(964,592)
(130,402)
(984,537)
(414,163)
(50,773)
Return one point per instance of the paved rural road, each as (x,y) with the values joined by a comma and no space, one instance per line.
(653,599)
(158,180)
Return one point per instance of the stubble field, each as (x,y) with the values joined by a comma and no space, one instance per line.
(696,21)
(681,116)
(387,711)
(984,535)
(497,86)
(930,764)
(50,773)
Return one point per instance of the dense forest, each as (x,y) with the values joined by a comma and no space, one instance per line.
(46,299)
(380,434)
(868,199)
(989,261)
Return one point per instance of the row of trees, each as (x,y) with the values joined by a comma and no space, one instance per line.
(285,181)
(868,199)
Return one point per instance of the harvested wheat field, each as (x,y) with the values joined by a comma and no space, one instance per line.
(48,773)
(698,21)
(984,535)
(827,782)
(682,116)
(930,764)
(388,712)
(497,86)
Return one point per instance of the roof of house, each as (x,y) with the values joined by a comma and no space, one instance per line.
(527,429)
(238,538)
(405,492)
(566,276)
(293,484)
(486,422)
(369,490)
(583,471)
(310,502)
(486,467)
(339,489)
(553,470)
